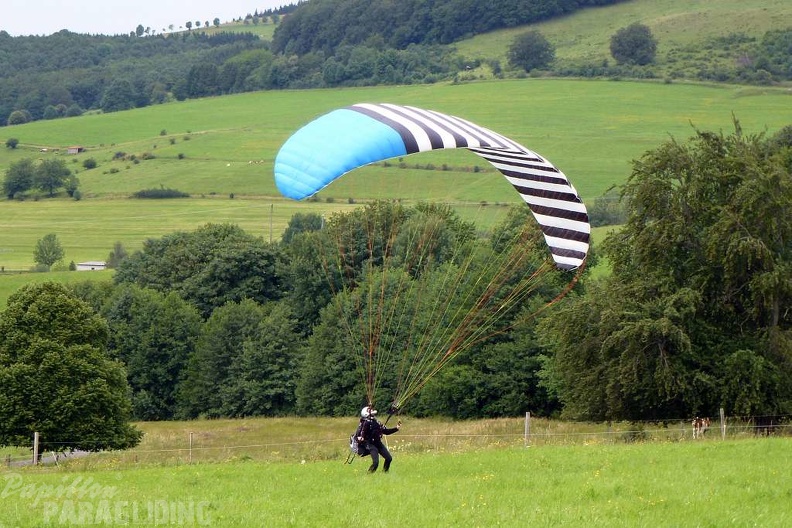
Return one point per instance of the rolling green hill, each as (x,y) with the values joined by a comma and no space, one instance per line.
(686,31)
(590,129)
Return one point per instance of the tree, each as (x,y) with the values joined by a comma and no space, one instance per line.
(222,339)
(51,174)
(117,256)
(690,319)
(139,30)
(301,223)
(262,379)
(120,95)
(153,334)
(530,51)
(73,110)
(19,177)
(55,376)
(634,44)
(216,22)
(19,117)
(209,267)
(188,25)
(48,250)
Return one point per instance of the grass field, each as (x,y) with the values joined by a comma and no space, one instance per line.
(584,37)
(703,483)
(590,129)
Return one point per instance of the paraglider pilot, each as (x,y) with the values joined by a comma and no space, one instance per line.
(371,434)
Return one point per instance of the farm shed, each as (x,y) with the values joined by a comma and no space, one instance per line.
(91,265)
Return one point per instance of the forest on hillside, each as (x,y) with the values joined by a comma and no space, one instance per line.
(318,44)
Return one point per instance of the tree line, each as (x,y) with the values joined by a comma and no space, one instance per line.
(322,26)
(219,323)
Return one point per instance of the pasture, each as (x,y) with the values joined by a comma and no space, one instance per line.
(221,151)
(737,482)
(679,27)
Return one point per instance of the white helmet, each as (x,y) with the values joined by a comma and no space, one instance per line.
(367,412)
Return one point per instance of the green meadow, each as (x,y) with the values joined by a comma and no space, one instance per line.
(222,150)
(680,27)
(702,483)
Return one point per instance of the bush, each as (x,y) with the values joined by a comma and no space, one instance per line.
(12,143)
(634,44)
(89,163)
(160,193)
(530,51)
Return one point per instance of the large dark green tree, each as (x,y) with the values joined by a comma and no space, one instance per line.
(634,44)
(153,334)
(531,51)
(51,174)
(262,379)
(56,377)
(19,177)
(694,315)
(209,267)
(221,341)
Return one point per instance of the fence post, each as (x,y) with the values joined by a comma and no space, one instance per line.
(8,460)
(35,448)
(723,424)
(527,434)
(191,438)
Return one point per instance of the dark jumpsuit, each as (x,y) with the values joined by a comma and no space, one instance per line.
(372,435)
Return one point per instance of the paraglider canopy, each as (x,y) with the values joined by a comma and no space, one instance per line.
(351,137)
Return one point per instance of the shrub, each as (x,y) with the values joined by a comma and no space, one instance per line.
(160,193)
(89,163)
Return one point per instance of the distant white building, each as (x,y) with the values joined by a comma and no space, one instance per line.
(92,265)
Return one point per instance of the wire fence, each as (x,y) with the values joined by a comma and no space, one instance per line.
(198,446)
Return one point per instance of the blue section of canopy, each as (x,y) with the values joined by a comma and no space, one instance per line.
(330,146)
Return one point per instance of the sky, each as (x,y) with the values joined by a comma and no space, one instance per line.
(114,17)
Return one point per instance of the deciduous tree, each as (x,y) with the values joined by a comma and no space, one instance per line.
(48,250)
(51,174)
(530,51)
(153,334)
(19,177)
(691,318)
(634,44)
(56,377)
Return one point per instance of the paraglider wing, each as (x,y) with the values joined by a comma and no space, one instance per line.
(351,137)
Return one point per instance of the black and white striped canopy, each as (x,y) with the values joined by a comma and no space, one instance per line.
(351,137)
